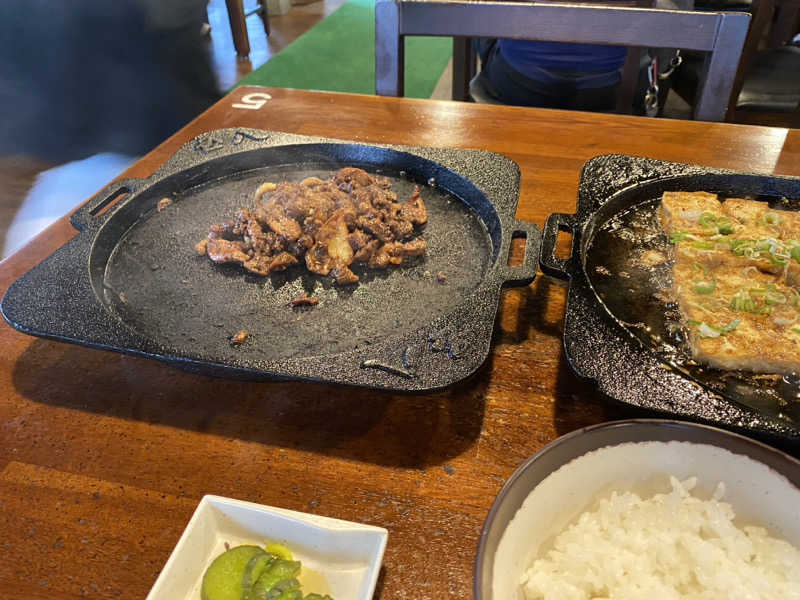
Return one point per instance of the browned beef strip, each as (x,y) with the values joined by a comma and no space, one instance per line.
(332,252)
(414,209)
(226,251)
(304,300)
(365,252)
(395,252)
(376,226)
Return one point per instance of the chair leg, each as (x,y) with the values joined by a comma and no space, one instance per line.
(238,27)
(713,98)
(464,67)
(264,14)
(630,79)
(795,118)
(389,51)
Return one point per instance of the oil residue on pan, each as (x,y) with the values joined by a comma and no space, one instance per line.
(626,265)
(159,287)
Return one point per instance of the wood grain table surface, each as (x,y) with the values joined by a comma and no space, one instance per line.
(104,457)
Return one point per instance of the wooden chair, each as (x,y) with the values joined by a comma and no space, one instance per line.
(720,35)
(767,85)
(238,20)
(465,86)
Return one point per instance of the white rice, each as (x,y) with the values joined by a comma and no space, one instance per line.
(667,547)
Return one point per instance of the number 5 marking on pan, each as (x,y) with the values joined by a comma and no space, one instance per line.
(253,101)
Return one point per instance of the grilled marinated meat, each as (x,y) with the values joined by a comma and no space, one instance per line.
(328,224)
(304,300)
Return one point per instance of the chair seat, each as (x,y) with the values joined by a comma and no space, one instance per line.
(774,82)
(480,93)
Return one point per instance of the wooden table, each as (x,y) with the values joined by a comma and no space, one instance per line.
(103,457)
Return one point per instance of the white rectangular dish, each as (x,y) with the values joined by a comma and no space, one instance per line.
(339,558)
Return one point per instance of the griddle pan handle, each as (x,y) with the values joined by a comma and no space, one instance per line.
(526,272)
(552,266)
(102,201)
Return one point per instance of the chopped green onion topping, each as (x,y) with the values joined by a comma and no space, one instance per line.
(698,267)
(708,219)
(742,302)
(773,298)
(707,331)
(776,261)
(724,226)
(678,236)
(796,253)
(710,331)
(705,287)
(730,326)
(739,247)
(796,330)
(764,245)
(703,245)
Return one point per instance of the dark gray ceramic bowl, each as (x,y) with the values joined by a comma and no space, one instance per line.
(560,481)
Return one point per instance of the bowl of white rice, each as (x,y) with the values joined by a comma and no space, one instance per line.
(645,509)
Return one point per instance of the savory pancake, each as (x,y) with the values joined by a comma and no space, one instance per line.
(738,288)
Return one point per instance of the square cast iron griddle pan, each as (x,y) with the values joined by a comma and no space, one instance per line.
(597,344)
(131,281)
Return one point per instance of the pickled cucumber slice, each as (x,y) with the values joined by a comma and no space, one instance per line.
(287,589)
(223,578)
(278,571)
(277,591)
(256,566)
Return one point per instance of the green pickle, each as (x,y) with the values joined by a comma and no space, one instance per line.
(253,573)
(223,578)
(288,589)
(280,569)
(254,569)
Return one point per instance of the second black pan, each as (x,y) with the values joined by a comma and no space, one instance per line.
(614,330)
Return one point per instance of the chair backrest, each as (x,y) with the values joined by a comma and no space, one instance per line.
(720,35)
(465,62)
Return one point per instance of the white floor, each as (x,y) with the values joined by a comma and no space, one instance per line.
(58,191)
